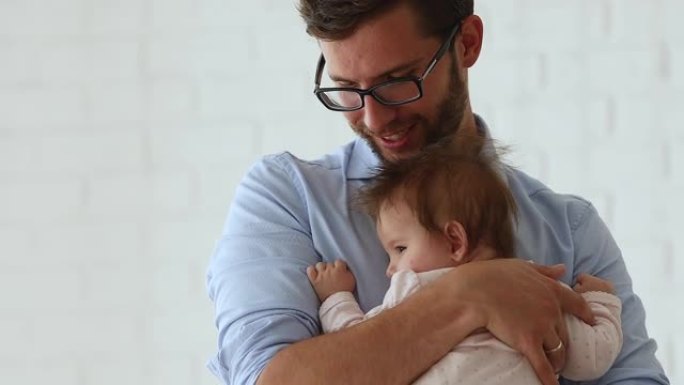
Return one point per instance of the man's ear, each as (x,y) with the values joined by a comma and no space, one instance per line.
(458,240)
(472,32)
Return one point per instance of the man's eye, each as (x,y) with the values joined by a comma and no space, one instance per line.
(400,249)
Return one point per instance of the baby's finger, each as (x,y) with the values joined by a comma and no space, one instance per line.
(311,272)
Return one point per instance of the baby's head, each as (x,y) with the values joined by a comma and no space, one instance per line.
(444,207)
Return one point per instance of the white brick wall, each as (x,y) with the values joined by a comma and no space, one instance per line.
(125,126)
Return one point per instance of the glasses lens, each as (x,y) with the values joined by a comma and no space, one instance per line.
(398,92)
(341,99)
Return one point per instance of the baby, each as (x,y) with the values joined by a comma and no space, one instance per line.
(446,207)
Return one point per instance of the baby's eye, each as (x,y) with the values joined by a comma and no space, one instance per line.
(400,249)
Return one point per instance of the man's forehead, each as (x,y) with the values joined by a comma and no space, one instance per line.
(389,43)
(356,64)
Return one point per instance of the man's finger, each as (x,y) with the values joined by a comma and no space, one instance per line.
(554,272)
(555,346)
(541,366)
(557,357)
(573,303)
(582,277)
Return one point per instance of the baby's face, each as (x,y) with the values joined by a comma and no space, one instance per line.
(410,246)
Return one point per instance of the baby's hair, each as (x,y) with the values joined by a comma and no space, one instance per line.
(458,178)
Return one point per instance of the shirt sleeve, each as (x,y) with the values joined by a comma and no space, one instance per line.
(256,278)
(592,349)
(597,253)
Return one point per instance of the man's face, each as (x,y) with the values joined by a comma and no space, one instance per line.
(387,47)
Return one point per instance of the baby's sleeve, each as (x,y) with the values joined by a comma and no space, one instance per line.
(593,349)
(340,311)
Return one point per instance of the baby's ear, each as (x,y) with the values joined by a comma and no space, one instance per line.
(458,240)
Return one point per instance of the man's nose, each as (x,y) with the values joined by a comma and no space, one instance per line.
(377,116)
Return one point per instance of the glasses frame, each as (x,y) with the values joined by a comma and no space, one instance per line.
(418,80)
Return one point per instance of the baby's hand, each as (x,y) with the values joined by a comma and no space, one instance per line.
(330,278)
(586,283)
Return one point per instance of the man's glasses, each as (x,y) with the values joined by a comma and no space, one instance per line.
(393,92)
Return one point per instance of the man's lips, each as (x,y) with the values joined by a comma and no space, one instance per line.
(396,139)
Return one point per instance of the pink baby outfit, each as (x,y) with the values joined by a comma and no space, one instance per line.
(481,358)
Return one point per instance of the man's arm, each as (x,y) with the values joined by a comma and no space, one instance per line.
(401,343)
(394,347)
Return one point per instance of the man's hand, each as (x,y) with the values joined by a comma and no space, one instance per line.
(523,304)
(586,283)
(330,278)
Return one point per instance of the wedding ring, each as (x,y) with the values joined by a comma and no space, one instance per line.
(557,348)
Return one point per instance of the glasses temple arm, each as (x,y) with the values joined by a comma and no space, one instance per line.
(319,71)
(442,50)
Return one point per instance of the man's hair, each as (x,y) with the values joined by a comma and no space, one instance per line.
(455,179)
(338,19)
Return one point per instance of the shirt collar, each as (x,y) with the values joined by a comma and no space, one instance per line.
(364,161)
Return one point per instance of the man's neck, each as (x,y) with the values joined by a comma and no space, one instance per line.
(469,124)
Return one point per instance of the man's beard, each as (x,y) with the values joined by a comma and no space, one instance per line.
(449,116)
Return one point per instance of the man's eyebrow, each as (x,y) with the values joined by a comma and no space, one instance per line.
(399,68)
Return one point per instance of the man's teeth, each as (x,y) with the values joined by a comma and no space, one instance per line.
(395,137)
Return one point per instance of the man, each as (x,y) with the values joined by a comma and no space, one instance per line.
(400,70)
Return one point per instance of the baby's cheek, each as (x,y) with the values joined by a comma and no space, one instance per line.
(413,264)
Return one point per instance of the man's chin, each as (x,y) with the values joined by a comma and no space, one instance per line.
(394,156)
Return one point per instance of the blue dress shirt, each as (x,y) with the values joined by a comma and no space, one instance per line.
(289,213)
